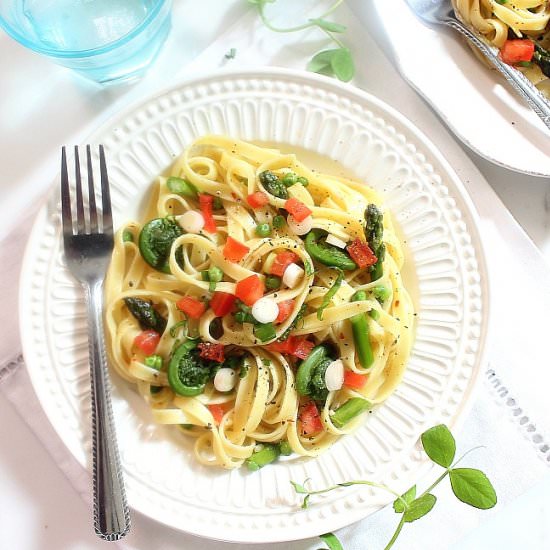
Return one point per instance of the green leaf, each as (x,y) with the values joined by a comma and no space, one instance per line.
(329,25)
(440,445)
(408,497)
(472,487)
(300,489)
(321,62)
(342,64)
(419,507)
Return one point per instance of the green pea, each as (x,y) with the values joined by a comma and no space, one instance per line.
(289,179)
(303,181)
(273,282)
(263,230)
(279,222)
(127,236)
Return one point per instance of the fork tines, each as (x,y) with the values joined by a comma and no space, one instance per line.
(84,226)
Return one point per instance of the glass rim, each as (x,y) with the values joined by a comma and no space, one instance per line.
(16,35)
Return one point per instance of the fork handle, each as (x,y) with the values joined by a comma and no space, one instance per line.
(523,86)
(111,513)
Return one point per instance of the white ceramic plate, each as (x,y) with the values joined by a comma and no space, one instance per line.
(475,102)
(446,274)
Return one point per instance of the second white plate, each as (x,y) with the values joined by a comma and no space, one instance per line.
(446,274)
(475,102)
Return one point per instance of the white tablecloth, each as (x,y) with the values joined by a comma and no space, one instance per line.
(508,415)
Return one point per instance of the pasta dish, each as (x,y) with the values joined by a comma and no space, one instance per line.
(519,28)
(259,305)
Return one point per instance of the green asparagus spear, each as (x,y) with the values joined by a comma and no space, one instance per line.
(349,410)
(360,329)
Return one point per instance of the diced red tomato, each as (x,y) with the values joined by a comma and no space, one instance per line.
(147,341)
(222,303)
(361,253)
(250,290)
(354,380)
(234,251)
(282,347)
(310,419)
(192,307)
(302,348)
(213,352)
(282,261)
(514,51)
(258,199)
(298,346)
(206,203)
(217,412)
(297,209)
(285,309)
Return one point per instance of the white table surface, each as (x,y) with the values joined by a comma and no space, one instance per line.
(42,107)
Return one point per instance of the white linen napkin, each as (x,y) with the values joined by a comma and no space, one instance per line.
(517,450)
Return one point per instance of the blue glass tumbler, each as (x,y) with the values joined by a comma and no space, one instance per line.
(104,40)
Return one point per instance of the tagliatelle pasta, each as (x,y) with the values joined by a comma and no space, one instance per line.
(519,28)
(259,305)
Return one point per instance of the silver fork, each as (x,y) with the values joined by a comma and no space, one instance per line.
(440,12)
(87,254)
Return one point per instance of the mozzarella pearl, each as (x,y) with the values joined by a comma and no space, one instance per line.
(265,310)
(299,228)
(225,380)
(334,375)
(335,241)
(292,275)
(192,221)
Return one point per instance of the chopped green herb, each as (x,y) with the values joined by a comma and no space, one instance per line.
(279,222)
(264,332)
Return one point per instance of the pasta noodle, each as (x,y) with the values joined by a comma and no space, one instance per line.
(244,231)
(503,22)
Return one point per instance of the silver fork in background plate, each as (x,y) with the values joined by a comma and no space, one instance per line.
(440,12)
(87,253)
